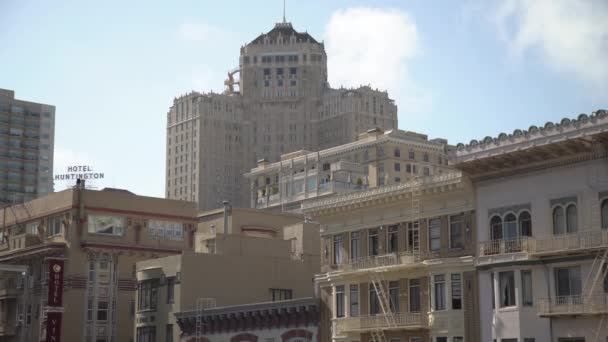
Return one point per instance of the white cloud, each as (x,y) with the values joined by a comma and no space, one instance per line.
(373,46)
(198,32)
(570,36)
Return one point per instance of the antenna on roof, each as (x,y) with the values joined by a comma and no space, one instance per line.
(284,21)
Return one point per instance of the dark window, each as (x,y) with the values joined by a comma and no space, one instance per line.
(354,245)
(507,288)
(354,300)
(567,282)
(425,157)
(439,286)
(397,167)
(412,155)
(170,290)
(434,234)
(456,292)
(280,294)
(147,294)
(397,153)
(414,295)
(374,302)
(338,249)
(526,288)
(146,334)
(493,290)
(457,231)
(393,293)
(496,228)
(393,238)
(373,242)
(340,301)
(293,71)
(525,224)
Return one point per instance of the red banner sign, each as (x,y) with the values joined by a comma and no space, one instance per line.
(53,326)
(55,282)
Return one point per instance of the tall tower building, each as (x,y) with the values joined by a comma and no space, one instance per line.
(27,135)
(281,102)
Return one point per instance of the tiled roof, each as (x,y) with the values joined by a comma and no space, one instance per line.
(284,30)
(533,132)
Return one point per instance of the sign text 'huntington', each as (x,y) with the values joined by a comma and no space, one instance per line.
(79,171)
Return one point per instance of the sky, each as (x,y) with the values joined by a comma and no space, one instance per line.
(459,70)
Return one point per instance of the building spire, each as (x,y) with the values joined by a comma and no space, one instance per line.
(284,21)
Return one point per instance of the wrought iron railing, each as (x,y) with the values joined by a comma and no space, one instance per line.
(391,259)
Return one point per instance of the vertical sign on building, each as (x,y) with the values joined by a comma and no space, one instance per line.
(55,301)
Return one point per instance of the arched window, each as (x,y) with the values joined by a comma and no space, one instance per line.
(397,153)
(525,224)
(605,214)
(571,219)
(496,228)
(558,220)
(510,227)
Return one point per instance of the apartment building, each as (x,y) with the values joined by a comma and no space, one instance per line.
(80,248)
(377,158)
(397,262)
(243,259)
(542,213)
(281,102)
(27,135)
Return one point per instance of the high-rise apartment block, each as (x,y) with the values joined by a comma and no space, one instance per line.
(27,131)
(281,103)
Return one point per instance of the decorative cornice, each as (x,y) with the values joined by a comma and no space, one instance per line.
(421,184)
(393,136)
(583,125)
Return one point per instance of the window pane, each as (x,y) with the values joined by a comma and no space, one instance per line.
(456,292)
(340,301)
(414,295)
(526,286)
(496,228)
(558,221)
(354,245)
(507,288)
(434,234)
(439,292)
(525,224)
(393,292)
(456,231)
(510,227)
(572,218)
(354,300)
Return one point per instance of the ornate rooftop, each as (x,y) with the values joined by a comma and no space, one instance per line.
(284,30)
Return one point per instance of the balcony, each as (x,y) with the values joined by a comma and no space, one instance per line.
(378,261)
(526,247)
(398,321)
(573,305)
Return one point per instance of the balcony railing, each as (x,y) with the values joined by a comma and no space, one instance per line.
(573,305)
(405,320)
(505,246)
(538,246)
(571,242)
(384,260)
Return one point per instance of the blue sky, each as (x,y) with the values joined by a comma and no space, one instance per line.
(458,70)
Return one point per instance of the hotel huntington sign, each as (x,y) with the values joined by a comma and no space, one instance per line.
(78,172)
(55,301)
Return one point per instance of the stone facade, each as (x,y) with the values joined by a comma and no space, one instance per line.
(283,104)
(541,198)
(397,262)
